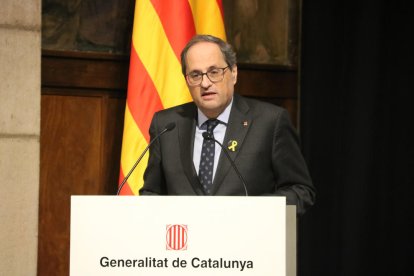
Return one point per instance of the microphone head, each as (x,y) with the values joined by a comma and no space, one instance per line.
(207,135)
(170,126)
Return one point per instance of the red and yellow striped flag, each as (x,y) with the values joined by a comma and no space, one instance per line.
(161,30)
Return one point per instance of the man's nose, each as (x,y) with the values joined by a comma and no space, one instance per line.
(205,81)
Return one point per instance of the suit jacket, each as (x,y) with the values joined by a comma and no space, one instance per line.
(267,155)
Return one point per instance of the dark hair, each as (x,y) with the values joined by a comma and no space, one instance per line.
(225,48)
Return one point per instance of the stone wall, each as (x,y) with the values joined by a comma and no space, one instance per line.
(20,22)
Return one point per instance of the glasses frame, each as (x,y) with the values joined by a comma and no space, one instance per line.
(206,74)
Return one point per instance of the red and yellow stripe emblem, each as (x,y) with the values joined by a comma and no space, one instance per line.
(161,30)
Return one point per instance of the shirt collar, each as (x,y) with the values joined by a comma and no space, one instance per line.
(223,117)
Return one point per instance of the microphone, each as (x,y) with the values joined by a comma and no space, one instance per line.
(168,127)
(208,136)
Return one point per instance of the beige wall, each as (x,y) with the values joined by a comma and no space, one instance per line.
(20,22)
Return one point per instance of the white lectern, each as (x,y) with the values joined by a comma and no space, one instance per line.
(182,235)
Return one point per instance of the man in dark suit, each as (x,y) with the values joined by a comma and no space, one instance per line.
(258,136)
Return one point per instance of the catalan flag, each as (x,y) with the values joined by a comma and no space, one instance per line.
(161,30)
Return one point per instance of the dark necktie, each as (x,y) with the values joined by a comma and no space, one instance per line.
(205,172)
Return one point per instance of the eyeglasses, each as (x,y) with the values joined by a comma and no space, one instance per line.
(214,75)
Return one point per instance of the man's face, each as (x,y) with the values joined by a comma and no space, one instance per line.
(211,98)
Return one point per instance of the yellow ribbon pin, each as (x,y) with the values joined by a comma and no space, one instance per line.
(232,145)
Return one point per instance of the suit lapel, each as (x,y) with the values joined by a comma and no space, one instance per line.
(237,128)
(186,132)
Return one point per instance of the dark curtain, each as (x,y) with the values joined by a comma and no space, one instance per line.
(357,127)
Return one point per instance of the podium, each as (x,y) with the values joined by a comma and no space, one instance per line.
(182,235)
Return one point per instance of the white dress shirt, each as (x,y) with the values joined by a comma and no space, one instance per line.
(218,132)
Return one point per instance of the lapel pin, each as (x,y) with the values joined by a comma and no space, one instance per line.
(231,145)
(245,123)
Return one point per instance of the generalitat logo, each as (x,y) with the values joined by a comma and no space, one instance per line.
(176,237)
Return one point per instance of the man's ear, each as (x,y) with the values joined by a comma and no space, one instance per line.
(234,73)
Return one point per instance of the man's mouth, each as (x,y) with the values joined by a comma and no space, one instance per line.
(207,94)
